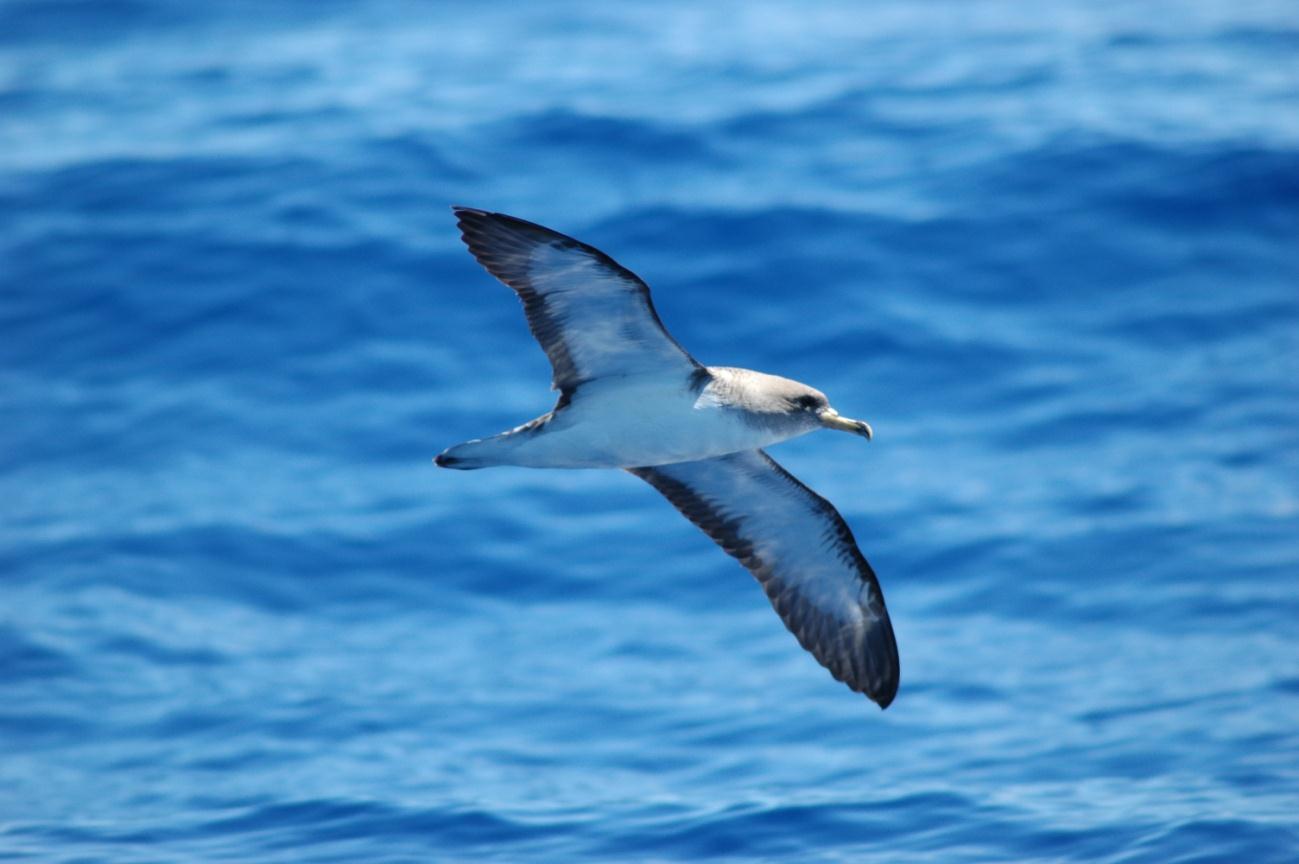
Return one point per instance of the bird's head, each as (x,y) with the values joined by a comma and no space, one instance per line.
(813,404)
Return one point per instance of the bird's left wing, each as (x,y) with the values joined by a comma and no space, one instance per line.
(803,554)
(593,317)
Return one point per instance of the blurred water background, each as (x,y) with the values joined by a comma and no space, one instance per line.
(1048,250)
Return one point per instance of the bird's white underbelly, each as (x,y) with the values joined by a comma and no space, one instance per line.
(627,424)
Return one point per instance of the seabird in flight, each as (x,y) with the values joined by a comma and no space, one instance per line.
(630,397)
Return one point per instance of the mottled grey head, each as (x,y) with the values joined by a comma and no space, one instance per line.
(782,401)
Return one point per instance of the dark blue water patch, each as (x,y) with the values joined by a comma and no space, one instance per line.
(41,729)
(191,724)
(564,131)
(425,562)
(1111,574)
(1279,39)
(864,112)
(865,829)
(23,659)
(323,830)
(292,199)
(193,561)
(206,327)
(1251,187)
(1159,188)
(952,560)
(150,650)
(754,831)
(1113,715)
(415,157)
(1092,425)
(700,234)
(76,21)
(309,824)
(217,79)
(77,24)
(1210,841)
(1176,328)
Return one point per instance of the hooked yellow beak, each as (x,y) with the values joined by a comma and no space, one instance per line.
(831,419)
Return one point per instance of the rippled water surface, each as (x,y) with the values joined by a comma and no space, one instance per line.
(1048,250)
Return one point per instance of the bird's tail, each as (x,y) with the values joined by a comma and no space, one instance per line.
(503,449)
(467,456)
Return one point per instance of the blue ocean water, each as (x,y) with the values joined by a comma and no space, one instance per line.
(1048,250)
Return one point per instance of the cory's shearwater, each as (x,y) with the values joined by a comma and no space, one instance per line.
(630,397)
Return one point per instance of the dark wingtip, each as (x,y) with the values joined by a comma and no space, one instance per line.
(489,220)
(487,233)
(442,460)
(468,216)
(886,650)
(878,681)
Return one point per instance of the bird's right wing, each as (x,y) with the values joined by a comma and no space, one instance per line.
(803,554)
(593,317)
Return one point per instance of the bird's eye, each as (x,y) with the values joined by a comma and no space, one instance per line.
(807,402)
